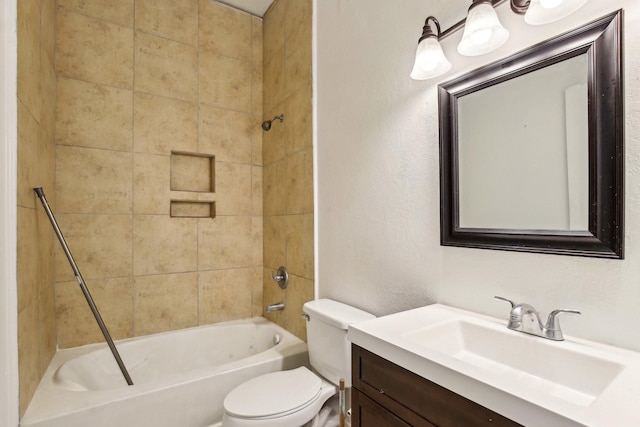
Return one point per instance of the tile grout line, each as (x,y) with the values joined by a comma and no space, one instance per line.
(252,115)
(133,176)
(55,169)
(198,118)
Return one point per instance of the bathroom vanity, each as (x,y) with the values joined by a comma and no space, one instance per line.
(387,395)
(439,366)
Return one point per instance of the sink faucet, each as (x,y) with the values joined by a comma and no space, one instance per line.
(525,318)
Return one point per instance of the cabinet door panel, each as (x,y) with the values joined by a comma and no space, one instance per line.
(367,413)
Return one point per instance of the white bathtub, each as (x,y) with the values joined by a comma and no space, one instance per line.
(180,378)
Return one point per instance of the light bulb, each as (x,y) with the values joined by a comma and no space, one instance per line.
(550,4)
(480,37)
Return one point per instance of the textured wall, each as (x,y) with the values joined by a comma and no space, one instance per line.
(36,167)
(137,80)
(378,185)
(288,159)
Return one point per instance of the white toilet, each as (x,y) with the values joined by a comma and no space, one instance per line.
(292,398)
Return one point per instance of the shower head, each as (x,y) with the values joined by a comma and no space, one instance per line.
(266,125)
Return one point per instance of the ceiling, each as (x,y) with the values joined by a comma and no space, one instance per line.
(254,7)
(449,12)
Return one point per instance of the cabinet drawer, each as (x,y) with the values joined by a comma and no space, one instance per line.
(399,389)
(369,414)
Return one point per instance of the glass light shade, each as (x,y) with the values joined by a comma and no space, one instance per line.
(430,60)
(544,11)
(482,31)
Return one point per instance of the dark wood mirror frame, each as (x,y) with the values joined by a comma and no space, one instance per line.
(601,41)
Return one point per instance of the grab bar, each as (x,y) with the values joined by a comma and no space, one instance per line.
(83,286)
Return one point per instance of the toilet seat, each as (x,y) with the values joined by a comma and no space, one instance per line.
(273,394)
(284,398)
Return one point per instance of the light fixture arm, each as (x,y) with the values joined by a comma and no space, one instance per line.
(475,3)
(520,6)
(427,31)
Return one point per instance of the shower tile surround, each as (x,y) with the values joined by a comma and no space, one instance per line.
(139,81)
(36,154)
(288,159)
(106,91)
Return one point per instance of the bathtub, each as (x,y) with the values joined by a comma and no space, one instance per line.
(180,378)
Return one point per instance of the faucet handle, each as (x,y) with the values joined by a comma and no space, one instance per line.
(282,277)
(553,322)
(513,304)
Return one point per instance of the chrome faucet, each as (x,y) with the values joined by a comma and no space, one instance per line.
(525,318)
(275,307)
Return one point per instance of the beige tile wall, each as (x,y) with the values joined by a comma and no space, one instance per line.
(138,79)
(288,159)
(36,154)
(106,90)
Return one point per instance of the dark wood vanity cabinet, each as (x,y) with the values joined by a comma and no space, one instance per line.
(387,395)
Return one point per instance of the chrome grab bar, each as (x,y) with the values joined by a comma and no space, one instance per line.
(40,192)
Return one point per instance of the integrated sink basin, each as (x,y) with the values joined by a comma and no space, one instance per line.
(529,379)
(548,367)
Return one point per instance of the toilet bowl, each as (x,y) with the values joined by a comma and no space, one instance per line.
(279,399)
(294,397)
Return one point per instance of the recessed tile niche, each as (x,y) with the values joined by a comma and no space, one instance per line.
(192,172)
(192,209)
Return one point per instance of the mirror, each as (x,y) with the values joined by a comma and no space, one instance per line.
(531,148)
(504,178)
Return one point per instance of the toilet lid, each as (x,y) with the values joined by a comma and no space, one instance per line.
(274,393)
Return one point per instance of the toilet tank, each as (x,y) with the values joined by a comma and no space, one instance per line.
(329,348)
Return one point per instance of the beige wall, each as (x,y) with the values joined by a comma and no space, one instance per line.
(136,81)
(288,159)
(36,167)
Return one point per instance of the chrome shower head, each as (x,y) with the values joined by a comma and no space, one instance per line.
(266,125)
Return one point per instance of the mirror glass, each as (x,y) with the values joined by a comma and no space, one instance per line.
(526,176)
(531,148)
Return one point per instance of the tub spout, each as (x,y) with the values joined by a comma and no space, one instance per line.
(275,307)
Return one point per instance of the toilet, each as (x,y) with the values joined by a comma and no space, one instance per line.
(292,398)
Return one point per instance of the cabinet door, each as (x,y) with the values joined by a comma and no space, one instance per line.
(367,413)
(406,395)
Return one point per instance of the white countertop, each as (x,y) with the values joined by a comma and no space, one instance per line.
(403,338)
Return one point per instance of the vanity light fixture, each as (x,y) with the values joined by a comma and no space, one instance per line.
(430,60)
(483,31)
